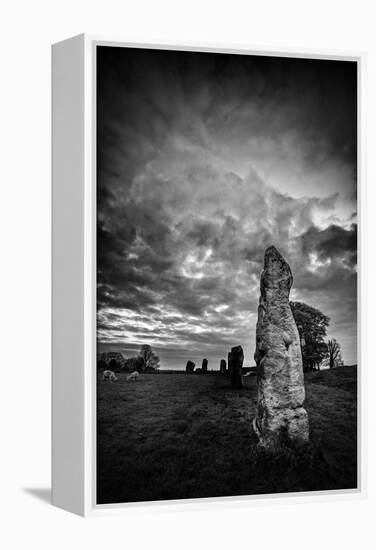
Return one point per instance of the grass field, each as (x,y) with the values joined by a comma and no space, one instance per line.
(171,436)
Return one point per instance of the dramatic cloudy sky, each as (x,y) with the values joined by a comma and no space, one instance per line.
(204,160)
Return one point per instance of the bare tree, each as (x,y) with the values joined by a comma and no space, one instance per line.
(150,359)
(334,353)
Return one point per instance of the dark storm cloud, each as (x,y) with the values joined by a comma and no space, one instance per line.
(203,161)
(332,242)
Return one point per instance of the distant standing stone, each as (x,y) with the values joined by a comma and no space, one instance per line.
(204,365)
(235,366)
(222,366)
(280,381)
(229,363)
(190,367)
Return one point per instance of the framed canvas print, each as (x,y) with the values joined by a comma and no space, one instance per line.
(205,287)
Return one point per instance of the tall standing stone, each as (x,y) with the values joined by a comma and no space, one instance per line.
(280,382)
(222,366)
(204,365)
(190,367)
(235,366)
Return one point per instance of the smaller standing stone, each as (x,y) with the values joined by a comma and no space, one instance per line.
(190,367)
(222,366)
(235,366)
(204,365)
(229,363)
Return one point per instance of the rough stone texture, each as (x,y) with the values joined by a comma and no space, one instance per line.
(190,367)
(280,382)
(235,365)
(204,365)
(222,366)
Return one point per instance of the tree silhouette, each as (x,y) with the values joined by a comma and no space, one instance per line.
(150,359)
(312,325)
(113,365)
(334,353)
(134,363)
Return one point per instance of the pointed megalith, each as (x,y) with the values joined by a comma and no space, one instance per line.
(235,366)
(204,365)
(280,381)
(222,366)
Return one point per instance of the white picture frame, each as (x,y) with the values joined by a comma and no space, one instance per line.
(74,277)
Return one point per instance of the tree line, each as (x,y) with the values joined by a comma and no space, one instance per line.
(312,326)
(145,361)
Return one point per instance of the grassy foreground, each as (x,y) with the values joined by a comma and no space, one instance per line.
(171,436)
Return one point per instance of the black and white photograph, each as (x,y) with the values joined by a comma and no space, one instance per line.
(226,250)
